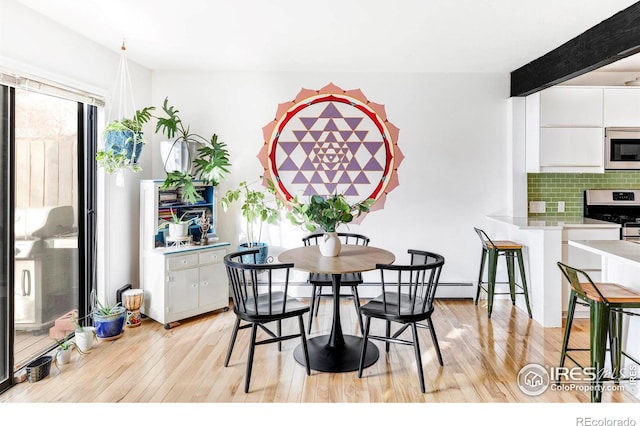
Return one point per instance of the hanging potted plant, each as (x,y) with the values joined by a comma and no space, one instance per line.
(326,213)
(187,155)
(256,208)
(123,136)
(123,143)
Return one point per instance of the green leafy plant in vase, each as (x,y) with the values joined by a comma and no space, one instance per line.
(326,213)
(206,159)
(258,206)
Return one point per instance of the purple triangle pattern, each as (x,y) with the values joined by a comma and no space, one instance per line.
(332,155)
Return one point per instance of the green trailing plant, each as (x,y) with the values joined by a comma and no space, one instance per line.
(326,213)
(113,161)
(258,206)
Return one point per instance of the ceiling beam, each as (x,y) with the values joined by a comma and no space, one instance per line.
(614,38)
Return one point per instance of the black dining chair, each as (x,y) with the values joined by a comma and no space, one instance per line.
(319,282)
(407,298)
(258,303)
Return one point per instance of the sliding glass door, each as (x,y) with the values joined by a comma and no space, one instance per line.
(47,221)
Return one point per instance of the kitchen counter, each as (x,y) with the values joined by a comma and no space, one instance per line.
(550,222)
(623,251)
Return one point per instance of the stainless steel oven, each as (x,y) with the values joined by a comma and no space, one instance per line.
(618,206)
(622,148)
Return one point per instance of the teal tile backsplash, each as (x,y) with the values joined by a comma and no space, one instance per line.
(569,187)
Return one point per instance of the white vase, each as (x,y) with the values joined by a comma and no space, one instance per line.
(330,244)
(63,356)
(178,229)
(85,339)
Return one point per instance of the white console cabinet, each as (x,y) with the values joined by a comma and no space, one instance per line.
(179,284)
(179,281)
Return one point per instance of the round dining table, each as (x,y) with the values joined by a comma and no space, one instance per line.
(336,352)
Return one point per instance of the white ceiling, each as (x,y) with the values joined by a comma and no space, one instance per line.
(331,35)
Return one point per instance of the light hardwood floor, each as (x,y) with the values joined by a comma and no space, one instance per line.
(482,359)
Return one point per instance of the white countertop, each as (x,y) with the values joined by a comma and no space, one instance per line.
(553,222)
(626,251)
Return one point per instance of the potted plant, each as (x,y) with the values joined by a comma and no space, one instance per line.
(123,140)
(85,336)
(326,213)
(64,350)
(179,154)
(257,209)
(178,227)
(108,320)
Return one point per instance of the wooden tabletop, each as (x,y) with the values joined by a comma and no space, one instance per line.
(352,258)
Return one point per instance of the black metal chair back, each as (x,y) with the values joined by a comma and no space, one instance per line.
(415,283)
(258,302)
(408,292)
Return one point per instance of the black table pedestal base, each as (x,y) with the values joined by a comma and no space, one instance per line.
(336,359)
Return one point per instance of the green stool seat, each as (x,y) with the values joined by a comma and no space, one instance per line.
(491,251)
(607,302)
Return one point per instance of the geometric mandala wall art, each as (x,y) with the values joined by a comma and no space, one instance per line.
(332,141)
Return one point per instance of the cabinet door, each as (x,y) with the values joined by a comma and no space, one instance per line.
(571,107)
(621,107)
(214,287)
(567,147)
(183,290)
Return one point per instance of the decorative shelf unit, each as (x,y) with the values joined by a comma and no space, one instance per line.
(179,280)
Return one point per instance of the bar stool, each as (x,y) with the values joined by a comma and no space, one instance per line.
(492,250)
(607,303)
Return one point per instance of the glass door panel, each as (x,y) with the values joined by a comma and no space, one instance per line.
(45,221)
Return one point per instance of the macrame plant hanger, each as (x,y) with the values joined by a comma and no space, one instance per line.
(122,94)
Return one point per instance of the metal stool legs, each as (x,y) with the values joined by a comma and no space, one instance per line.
(599,330)
(510,256)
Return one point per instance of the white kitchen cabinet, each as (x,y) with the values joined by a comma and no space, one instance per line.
(621,107)
(184,280)
(571,107)
(565,149)
(564,131)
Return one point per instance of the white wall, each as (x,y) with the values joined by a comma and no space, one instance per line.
(453,132)
(31,43)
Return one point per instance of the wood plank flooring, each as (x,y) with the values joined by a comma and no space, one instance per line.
(482,359)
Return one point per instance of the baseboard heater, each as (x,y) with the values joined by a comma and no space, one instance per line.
(446,290)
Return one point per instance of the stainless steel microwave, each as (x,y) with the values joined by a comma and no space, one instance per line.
(622,148)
